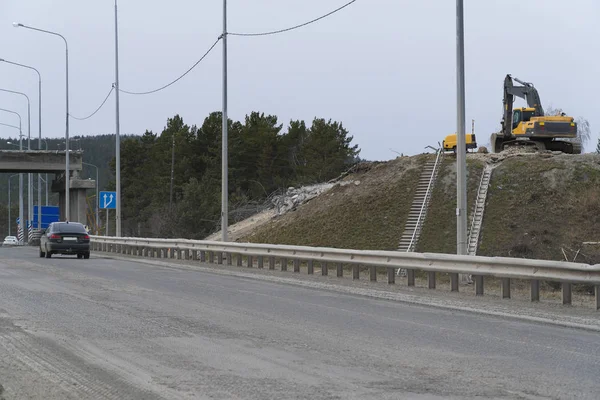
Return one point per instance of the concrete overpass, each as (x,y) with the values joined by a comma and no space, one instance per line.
(53,162)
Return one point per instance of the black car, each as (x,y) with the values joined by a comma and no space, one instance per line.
(65,238)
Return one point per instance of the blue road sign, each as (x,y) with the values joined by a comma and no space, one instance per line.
(108,200)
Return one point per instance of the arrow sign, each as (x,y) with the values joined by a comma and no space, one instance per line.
(107,200)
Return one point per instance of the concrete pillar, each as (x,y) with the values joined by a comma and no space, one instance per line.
(77,197)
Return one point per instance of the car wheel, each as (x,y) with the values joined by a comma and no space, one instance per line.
(86,255)
(42,254)
(48,254)
(79,256)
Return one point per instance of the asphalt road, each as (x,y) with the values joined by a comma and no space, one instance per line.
(102,328)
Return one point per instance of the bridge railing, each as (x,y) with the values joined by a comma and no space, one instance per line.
(251,254)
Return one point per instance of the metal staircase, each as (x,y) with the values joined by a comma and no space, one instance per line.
(418,210)
(477,219)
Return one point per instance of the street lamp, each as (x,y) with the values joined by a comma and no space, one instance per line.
(39,133)
(117,130)
(97,211)
(29,174)
(21,220)
(67,174)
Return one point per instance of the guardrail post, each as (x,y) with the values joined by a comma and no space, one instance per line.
(566,293)
(186,254)
(238,259)
(311,267)
(324,268)
(219,258)
(453,282)
(211,257)
(373,273)
(479,285)
(505,288)
(410,277)
(229,257)
(431,279)
(296,265)
(250,262)
(284,263)
(340,270)
(203,256)
(195,255)
(355,271)
(261,262)
(271,262)
(391,275)
(535,290)
(597,296)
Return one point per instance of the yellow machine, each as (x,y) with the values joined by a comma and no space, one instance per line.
(449,143)
(529,126)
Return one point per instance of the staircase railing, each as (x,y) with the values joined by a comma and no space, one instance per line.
(423,206)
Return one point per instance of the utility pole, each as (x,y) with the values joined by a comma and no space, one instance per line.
(117,132)
(461,165)
(224,172)
(172,173)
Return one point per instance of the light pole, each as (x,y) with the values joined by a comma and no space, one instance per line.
(224,173)
(39,134)
(97,211)
(67,174)
(21,220)
(46,181)
(29,174)
(9,206)
(117,129)
(461,165)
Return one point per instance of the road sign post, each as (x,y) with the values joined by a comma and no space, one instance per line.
(107,201)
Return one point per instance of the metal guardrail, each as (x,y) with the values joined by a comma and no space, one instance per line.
(500,267)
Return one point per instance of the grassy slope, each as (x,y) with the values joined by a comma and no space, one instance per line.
(368,216)
(537,205)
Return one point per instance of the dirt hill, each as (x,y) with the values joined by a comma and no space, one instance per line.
(542,206)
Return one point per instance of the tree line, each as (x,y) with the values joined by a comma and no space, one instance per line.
(263,160)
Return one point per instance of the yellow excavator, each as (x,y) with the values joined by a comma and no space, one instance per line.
(528,126)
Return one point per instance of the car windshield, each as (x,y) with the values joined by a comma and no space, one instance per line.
(69,228)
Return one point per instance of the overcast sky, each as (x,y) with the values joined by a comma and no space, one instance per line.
(385,68)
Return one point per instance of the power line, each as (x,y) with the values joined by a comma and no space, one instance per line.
(181,76)
(293,27)
(97,109)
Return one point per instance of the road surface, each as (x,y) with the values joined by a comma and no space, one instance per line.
(112,329)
